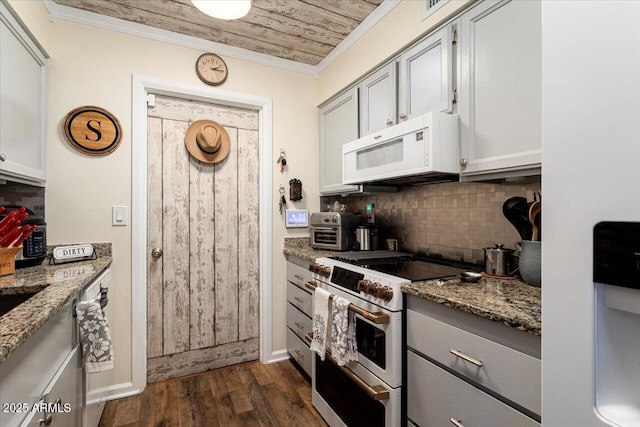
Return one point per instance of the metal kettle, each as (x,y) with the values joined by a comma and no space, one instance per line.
(499,261)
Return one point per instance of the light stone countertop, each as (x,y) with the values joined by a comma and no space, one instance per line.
(301,247)
(511,302)
(55,286)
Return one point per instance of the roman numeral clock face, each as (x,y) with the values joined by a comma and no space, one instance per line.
(211,69)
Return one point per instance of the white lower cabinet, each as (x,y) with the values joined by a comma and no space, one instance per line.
(464,370)
(36,366)
(437,398)
(62,400)
(299,309)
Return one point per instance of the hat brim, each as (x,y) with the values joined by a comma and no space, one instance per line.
(196,151)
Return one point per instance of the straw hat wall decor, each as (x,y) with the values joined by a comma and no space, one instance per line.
(207,141)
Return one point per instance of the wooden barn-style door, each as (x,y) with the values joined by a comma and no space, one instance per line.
(203,264)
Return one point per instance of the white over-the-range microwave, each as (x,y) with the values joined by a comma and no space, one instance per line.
(424,148)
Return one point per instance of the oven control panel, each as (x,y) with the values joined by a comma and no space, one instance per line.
(376,289)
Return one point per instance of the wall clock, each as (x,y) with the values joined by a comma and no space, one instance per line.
(211,69)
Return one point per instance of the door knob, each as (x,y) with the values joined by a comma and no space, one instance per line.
(3,157)
(403,116)
(156,252)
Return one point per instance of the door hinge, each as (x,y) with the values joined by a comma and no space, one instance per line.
(454,37)
(455,96)
(151,100)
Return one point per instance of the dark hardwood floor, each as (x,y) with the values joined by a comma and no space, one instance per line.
(249,394)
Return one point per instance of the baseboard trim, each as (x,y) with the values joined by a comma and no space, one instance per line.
(278,356)
(112,392)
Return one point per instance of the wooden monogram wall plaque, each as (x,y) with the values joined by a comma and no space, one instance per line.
(92,130)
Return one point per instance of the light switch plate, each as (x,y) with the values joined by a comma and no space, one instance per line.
(118,215)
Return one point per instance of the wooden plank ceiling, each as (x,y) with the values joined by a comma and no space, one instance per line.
(299,30)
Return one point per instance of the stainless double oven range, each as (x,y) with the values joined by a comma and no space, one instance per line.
(369,391)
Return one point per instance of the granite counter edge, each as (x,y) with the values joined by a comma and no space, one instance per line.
(11,340)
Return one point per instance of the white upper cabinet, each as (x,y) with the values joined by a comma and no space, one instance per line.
(500,89)
(22,108)
(378,100)
(423,82)
(338,122)
(425,76)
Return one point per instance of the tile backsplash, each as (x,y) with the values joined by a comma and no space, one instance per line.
(454,219)
(32,197)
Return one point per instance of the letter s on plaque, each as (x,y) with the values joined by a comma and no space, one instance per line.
(92,130)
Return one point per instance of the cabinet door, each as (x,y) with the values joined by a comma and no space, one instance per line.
(426,79)
(378,100)
(66,391)
(338,122)
(500,88)
(21,103)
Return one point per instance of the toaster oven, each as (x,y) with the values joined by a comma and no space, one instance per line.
(334,230)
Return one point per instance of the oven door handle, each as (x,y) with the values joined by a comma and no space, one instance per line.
(376,392)
(377,318)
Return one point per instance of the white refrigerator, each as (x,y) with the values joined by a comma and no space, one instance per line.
(591,173)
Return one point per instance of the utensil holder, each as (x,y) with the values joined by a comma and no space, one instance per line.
(530,262)
(8,260)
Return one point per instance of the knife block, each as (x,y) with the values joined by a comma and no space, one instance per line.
(8,260)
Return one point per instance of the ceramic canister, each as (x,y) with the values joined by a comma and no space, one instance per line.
(530,262)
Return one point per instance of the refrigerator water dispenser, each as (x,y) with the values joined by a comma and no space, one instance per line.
(616,274)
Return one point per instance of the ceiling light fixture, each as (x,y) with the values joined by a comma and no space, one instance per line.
(223,9)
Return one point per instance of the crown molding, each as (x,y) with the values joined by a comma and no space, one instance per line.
(57,11)
(376,16)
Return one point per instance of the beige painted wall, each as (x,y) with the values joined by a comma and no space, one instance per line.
(94,66)
(399,28)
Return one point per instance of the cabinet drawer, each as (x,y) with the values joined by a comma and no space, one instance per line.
(436,396)
(299,298)
(297,275)
(508,372)
(297,321)
(299,350)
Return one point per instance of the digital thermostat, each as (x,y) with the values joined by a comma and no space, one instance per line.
(297,218)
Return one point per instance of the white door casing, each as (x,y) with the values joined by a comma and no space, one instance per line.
(142,87)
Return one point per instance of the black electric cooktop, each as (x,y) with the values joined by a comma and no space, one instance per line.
(406,266)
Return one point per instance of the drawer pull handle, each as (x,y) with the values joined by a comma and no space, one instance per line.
(47,420)
(300,355)
(300,300)
(469,359)
(298,277)
(455,422)
(299,326)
